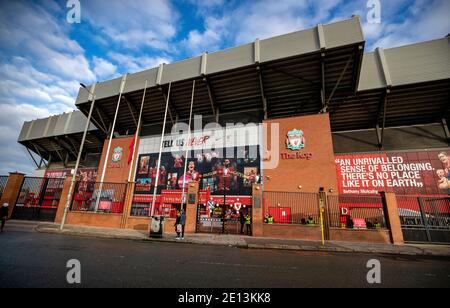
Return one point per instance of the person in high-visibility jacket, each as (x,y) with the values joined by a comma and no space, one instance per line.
(270,219)
(248,224)
(376,224)
(310,221)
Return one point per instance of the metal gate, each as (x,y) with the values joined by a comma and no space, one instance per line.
(220,223)
(425,218)
(38,199)
(3,182)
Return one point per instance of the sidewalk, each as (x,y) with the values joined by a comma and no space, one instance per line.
(252,242)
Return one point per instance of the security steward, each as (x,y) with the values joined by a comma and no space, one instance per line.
(310,221)
(248,224)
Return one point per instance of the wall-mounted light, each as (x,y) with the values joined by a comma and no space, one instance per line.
(330,190)
(300,186)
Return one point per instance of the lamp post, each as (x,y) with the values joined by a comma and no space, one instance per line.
(74,177)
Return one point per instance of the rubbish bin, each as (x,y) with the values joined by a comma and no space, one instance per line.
(157,227)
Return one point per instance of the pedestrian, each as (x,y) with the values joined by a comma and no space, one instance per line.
(182,223)
(377,225)
(4,214)
(242,220)
(350,223)
(177,225)
(248,223)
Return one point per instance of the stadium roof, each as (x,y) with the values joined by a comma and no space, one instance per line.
(277,77)
(399,86)
(58,138)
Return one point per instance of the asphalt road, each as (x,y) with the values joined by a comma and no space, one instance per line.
(29,259)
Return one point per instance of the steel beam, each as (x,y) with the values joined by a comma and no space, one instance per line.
(337,83)
(101,115)
(446,130)
(65,146)
(212,98)
(171,109)
(132,109)
(263,93)
(322,74)
(292,75)
(32,157)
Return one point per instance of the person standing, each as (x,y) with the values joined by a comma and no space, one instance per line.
(242,220)
(248,224)
(182,223)
(4,215)
(177,225)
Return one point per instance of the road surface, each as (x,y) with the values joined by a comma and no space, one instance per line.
(30,259)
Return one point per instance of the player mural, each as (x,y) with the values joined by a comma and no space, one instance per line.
(233,176)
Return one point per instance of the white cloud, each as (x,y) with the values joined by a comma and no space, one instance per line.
(103,68)
(134,64)
(133,24)
(210,40)
(426,20)
(13,156)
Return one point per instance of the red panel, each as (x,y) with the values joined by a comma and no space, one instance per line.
(281,215)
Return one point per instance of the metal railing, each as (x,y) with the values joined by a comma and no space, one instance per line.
(99,197)
(421,211)
(3,182)
(292,208)
(356,212)
(38,199)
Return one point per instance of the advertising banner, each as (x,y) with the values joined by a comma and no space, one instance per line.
(232,176)
(404,173)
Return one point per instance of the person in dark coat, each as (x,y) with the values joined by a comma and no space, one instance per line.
(182,223)
(178,222)
(4,215)
(242,220)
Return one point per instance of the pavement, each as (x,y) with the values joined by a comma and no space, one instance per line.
(247,241)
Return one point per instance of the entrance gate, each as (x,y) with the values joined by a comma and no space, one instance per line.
(425,218)
(219,220)
(38,199)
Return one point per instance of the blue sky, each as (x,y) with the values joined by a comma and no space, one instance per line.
(43,58)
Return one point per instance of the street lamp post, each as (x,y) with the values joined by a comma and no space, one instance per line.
(75,172)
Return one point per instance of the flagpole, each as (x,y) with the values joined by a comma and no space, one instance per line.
(80,151)
(105,164)
(155,186)
(138,131)
(187,147)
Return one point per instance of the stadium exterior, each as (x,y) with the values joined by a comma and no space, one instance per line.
(331,142)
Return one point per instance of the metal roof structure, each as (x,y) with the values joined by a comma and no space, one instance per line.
(58,138)
(306,72)
(292,74)
(399,86)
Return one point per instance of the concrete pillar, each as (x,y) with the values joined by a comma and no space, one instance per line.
(257,210)
(127,205)
(63,200)
(191,207)
(392,219)
(324,209)
(12,191)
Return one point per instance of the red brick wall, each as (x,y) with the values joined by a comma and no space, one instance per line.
(318,171)
(117,172)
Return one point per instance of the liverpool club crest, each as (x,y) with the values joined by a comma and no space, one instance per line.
(117,155)
(295,140)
